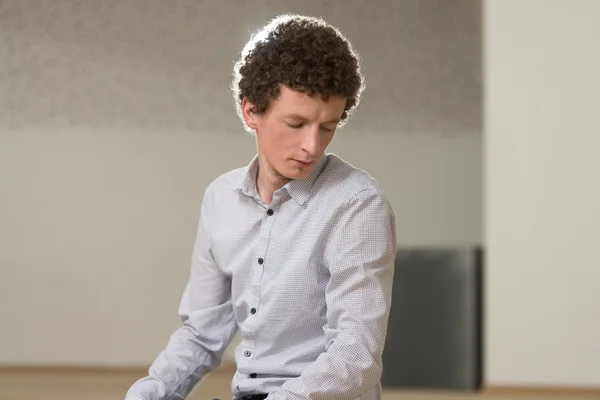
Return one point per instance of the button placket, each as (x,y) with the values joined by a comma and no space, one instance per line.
(260,254)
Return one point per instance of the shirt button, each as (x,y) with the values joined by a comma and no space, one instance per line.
(260,261)
(253,376)
(253,310)
(270,212)
(247,353)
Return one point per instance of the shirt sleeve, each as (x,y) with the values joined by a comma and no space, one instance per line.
(360,256)
(208,326)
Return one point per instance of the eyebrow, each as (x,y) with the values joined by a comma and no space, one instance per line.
(301,118)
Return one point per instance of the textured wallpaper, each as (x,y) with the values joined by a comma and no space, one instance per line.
(167,64)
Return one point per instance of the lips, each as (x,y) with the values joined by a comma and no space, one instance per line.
(304,163)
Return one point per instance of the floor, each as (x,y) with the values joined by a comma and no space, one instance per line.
(89,385)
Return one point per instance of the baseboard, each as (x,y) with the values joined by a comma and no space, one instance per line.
(543,390)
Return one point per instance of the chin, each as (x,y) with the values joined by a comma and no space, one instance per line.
(298,174)
(292,171)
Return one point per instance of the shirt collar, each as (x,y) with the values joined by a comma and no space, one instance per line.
(246,182)
(299,189)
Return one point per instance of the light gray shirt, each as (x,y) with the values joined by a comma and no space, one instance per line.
(306,280)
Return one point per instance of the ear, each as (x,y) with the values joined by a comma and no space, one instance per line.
(249,116)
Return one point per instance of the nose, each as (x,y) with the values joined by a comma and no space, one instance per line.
(311,141)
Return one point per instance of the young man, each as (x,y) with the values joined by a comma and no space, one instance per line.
(296,251)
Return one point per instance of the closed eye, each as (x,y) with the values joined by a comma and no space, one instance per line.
(300,125)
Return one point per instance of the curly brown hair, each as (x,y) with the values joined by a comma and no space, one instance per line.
(303,53)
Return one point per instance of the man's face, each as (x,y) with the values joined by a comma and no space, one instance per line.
(295,131)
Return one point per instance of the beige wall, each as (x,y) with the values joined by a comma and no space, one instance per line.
(115,115)
(542,192)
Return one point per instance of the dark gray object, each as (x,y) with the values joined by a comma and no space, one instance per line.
(434,338)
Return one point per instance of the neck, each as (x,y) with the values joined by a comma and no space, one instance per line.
(268,181)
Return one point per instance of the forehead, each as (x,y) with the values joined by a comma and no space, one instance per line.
(309,107)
